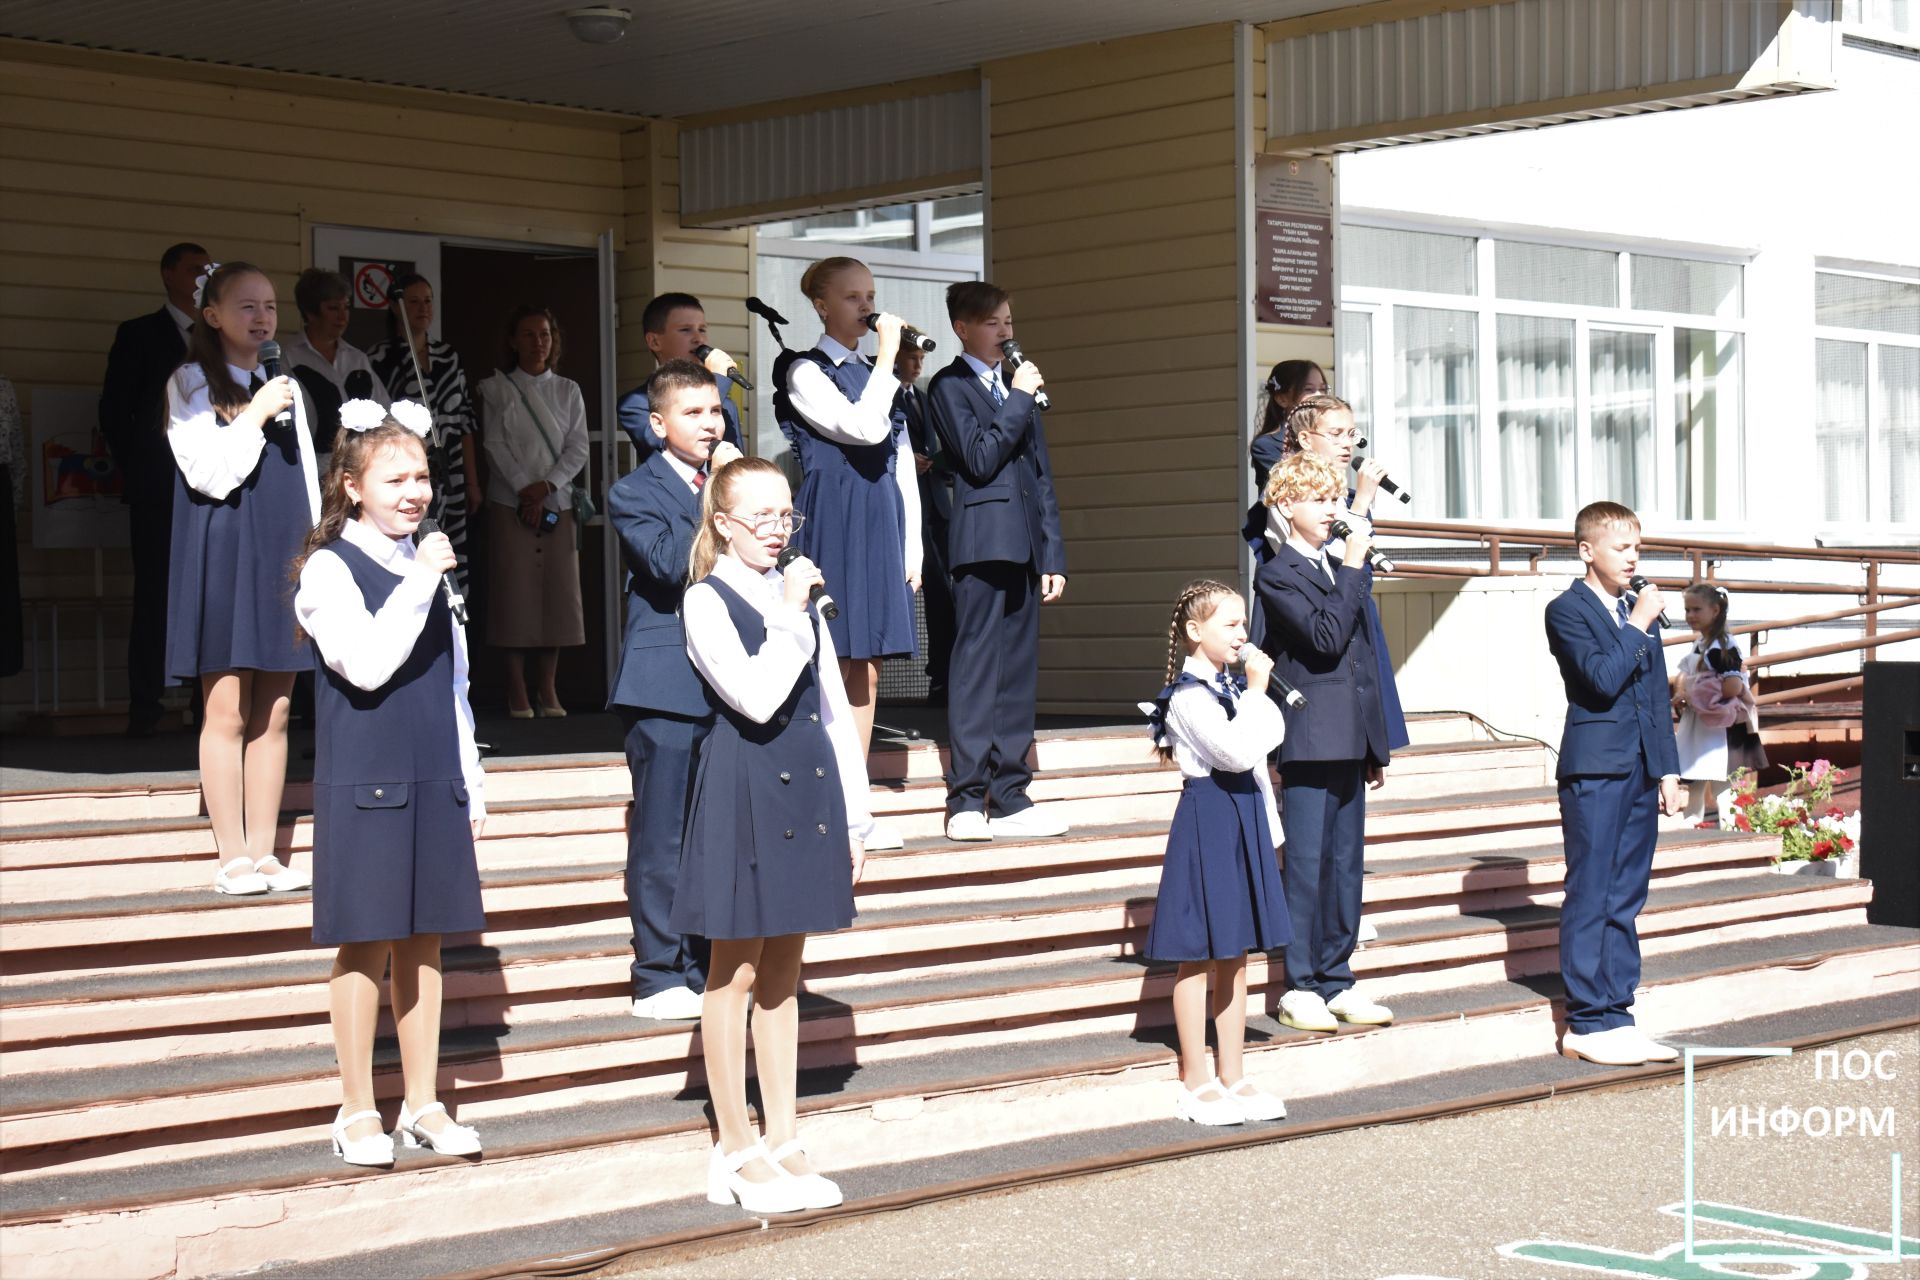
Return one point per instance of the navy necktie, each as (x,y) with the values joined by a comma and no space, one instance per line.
(1620,610)
(993,389)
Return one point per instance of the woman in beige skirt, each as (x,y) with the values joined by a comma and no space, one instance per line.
(535,433)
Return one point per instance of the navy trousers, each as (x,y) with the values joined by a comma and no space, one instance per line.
(661,752)
(1610,825)
(993,682)
(1324,815)
(150,520)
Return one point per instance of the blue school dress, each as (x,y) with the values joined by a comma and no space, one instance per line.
(229,589)
(766,848)
(392,848)
(1220,893)
(856,521)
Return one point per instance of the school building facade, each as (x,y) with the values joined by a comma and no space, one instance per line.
(1703,310)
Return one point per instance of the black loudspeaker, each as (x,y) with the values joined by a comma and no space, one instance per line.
(1890,792)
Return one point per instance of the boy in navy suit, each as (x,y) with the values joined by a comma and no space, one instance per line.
(1618,764)
(1006,556)
(1336,744)
(657,694)
(674,326)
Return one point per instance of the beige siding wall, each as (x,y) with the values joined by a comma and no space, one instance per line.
(106,159)
(1113,223)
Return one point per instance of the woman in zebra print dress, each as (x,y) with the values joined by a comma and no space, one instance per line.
(455,466)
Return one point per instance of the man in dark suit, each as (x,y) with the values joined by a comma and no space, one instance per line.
(656,510)
(936,513)
(1618,764)
(1006,555)
(674,326)
(133,419)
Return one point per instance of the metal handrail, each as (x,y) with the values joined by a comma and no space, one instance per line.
(1683,636)
(1565,538)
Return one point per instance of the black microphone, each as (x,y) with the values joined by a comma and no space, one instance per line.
(701,353)
(1386,482)
(1640,582)
(1015,358)
(1341,529)
(765,312)
(359,385)
(1289,695)
(270,366)
(908,334)
(828,609)
(455,601)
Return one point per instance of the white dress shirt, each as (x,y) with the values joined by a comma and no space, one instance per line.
(1610,603)
(516,444)
(365,648)
(181,319)
(346,358)
(682,470)
(217,458)
(866,421)
(1204,739)
(989,374)
(756,686)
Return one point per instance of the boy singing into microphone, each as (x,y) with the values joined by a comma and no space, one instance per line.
(1006,556)
(1618,765)
(675,328)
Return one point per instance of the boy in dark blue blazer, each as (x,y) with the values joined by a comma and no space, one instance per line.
(1006,556)
(1315,615)
(1618,764)
(674,326)
(657,694)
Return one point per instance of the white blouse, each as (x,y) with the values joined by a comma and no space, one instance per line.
(866,421)
(756,686)
(346,359)
(217,458)
(1204,739)
(517,447)
(365,649)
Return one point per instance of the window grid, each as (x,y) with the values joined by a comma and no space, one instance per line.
(1867,398)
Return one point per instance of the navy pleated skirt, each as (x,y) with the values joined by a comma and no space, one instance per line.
(1220,894)
(856,533)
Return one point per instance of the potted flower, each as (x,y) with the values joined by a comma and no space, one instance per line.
(1817,837)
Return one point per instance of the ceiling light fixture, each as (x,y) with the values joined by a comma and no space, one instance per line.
(599,24)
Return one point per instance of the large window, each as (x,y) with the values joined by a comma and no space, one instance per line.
(1867,396)
(1526,379)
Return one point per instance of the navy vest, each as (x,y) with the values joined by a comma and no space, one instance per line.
(813,450)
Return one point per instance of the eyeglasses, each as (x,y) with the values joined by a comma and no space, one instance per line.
(766,522)
(1349,436)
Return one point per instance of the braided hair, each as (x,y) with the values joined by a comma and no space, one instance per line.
(1198,599)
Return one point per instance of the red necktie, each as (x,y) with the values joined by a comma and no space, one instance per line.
(699,481)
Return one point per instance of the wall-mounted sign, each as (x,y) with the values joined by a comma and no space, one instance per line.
(1293,241)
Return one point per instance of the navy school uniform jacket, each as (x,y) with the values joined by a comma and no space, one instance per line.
(1004,506)
(656,513)
(1617,696)
(1318,638)
(133,403)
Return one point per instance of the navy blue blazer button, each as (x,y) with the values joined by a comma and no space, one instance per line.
(379,793)
(822,828)
(819,772)
(783,717)
(789,833)
(785,776)
(814,716)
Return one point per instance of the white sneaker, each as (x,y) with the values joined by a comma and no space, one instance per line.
(1605,1048)
(884,838)
(282,879)
(675,1004)
(1305,1011)
(1209,1104)
(1351,1006)
(239,879)
(969,825)
(1036,822)
(1256,1103)
(1365,933)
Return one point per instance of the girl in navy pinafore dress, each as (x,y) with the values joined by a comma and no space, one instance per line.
(775,826)
(859,488)
(1220,894)
(246,491)
(397,799)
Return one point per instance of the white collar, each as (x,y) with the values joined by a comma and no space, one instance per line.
(242,376)
(385,551)
(180,317)
(759,588)
(830,346)
(680,468)
(1609,603)
(545,375)
(1198,667)
(981,369)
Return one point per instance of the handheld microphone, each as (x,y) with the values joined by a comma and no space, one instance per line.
(359,385)
(824,602)
(1386,482)
(701,353)
(908,334)
(1015,358)
(270,366)
(1341,529)
(1289,695)
(455,601)
(1640,582)
(765,312)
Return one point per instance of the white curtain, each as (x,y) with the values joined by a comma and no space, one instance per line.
(1706,416)
(1899,386)
(1435,371)
(1536,417)
(1622,404)
(1840,426)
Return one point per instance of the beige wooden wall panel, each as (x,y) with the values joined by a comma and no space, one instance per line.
(106,159)
(1113,222)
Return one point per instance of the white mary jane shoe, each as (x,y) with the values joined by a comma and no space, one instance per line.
(784,1194)
(452,1140)
(374,1151)
(821,1193)
(281,878)
(239,879)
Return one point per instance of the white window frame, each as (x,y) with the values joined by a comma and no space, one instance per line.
(1875,517)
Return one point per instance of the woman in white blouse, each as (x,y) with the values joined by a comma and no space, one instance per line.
(534,427)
